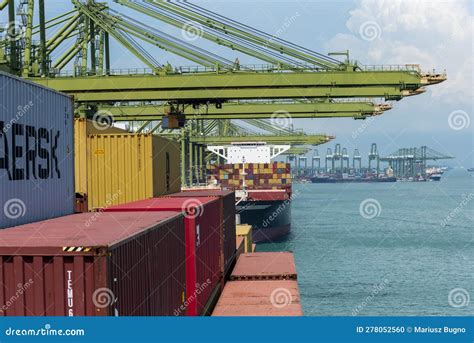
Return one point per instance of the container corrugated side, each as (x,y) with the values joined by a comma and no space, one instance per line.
(94,265)
(203,232)
(36,152)
(122,168)
(228,219)
(82,129)
(259,298)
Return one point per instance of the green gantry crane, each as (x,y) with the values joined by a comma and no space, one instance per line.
(294,81)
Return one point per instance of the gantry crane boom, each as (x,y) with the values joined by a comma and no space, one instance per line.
(357,110)
(219,87)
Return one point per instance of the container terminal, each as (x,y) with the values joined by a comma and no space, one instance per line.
(405,164)
(144,191)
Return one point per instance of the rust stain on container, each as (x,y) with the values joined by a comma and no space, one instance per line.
(227,199)
(94,264)
(202,236)
(259,298)
(265,266)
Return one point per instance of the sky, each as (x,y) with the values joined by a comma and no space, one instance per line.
(435,34)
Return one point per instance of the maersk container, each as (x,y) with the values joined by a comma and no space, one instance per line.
(94,264)
(203,235)
(36,152)
(227,199)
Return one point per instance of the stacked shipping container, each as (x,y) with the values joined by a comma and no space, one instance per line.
(264,284)
(94,264)
(227,214)
(276,175)
(114,167)
(203,241)
(36,152)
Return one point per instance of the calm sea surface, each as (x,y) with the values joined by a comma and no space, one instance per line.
(402,248)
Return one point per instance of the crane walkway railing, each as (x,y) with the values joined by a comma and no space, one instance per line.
(238,69)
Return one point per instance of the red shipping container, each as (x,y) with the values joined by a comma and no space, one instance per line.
(94,264)
(227,199)
(259,298)
(202,235)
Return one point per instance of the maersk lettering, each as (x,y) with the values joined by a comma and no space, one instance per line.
(28,152)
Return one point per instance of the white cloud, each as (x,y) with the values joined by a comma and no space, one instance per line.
(435,34)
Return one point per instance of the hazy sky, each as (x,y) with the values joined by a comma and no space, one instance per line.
(435,34)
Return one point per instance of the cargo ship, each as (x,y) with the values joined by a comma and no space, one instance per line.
(335,179)
(263,188)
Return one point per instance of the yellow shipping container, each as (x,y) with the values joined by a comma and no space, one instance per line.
(82,129)
(129,167)
(115,168)
(245,231)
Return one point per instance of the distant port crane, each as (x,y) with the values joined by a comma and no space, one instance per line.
(411,162)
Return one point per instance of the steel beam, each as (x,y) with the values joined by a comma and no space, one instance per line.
(270,139)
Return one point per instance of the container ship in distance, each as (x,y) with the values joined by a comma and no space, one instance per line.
(263,188)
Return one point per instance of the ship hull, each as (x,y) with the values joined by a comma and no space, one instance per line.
(352,180)
(270,220)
